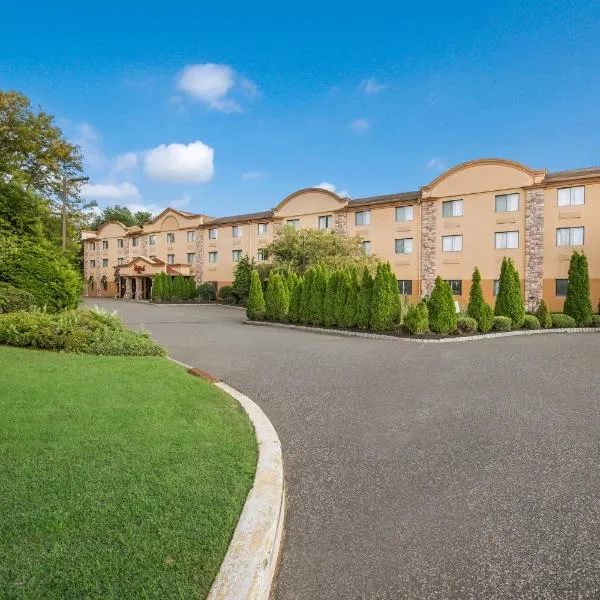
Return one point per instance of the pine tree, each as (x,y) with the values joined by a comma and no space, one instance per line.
(157,287)
(365,294)
(341,297)
(330,299)
(477,308)
(192,288)
(178,288)
(578,303)
(241,278)
(543,315)
(255,308)
(442,313)
(295,301)
(168,288)
(381,302)
(509,302)
(317,295)
(351,309)
(306,294)
(394,293)
(517,302)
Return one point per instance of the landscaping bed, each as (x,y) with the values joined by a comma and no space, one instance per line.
(121,477)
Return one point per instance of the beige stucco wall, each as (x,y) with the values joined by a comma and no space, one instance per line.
(309,202)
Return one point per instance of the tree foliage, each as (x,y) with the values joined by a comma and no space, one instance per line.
(341,297)
(543,315)
(306,296)
(241,278)
(417,318)
(365,295)
(296,300)
(477,308)
(122,214)
(382,302)
(317,294)
(442,313)
(509,302)
(255,308)
(276,298)
(351,309)
(578,303)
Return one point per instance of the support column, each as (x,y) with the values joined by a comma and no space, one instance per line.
(139,290)
(341,221)
(534,247)
(428,246)
(128,287)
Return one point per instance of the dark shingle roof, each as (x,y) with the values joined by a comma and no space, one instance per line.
(407,196)
(587,172)
(236,218)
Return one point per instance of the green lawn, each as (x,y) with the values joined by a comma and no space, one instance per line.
(119,477)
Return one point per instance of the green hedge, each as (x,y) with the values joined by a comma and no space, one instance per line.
(416,320)
(466,325)
(531,322)
(13,299)
(561,320)
(502,323)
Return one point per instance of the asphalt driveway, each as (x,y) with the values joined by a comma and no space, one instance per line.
(438,471)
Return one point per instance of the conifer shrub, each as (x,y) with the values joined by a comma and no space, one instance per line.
(226,295)
(13,299)
(365,295)
(317,295)
(255,307)
(192,288)
(442,312)
(394,295)
(509,302)
(416,320)
(382,305)
(206,292)
(157,288)
(531,322)
(578,303)
(168,288)
(306,296)
(341,297)
(502,323)
(241,278)
(560,320)
(466,325)
(295,301)
(351,309)
(477,308)
(276,298)
(595,321)
(543,315)
(329,304)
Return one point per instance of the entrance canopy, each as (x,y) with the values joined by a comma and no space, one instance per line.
(141,266)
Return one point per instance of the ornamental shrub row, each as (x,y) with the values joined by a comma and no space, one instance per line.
(173,289)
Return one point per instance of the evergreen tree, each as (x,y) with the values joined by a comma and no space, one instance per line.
(578,303)
(168,288)
(178,288)
(351,309)
(394,293)
(330,299)
(306,295)
(442,313)
(417,318)
(317,295)
(543,315)
(517,302)
(477,308)
(365,294)
(341,297)
(295,301)
(382,302)
(192,288)
(157,288)
(509,302)
(255,308)
(241,278)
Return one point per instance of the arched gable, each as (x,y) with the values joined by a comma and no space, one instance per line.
(111,229)
(483,175)
(309,201)
(169,223)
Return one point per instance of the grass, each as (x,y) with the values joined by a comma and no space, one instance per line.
(119,477)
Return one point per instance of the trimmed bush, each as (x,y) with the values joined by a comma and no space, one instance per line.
(191,288)
(306,296)
(13,299)
(168,288)
(329,304)
(466,325)
(179,288)
(543,315)
(595,321)
(295,301)
(206,292)
(394,294)
(561,320)
(416,320)
(276,298)
(442,312)
(477,308)
(509,302)
(317,295)
(531,322)
(351,308)
(502,323)
(242,278)
(341,297)
(365,296)
(255,308)
(226,295)
(578,303)
(382,303)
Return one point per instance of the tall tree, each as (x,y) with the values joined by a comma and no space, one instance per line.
(255,309)
(22,213)
(122,214)
(241,278)
(365,293)
(509,301)
(442,313)
(477,308)
(578,303)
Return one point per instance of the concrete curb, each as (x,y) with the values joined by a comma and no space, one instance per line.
(449,340)
(248,569)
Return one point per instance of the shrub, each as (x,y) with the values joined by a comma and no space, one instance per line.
(531,322)
(394,295)
(543,315)
(255,308)
(157,288)
(382,303)
(365,294)
(466,325)
(226,295)
(306,296)
(13,299)
(595,321)
(329,304)
(442,312)
(192,289)
(502,323)
(477,308)
(350,310)
(206,292)
(341,297)
(276,299)
(416,320)
(168,290)
(561,320)
(295,301)
(317,295)
(578,303)
(509,302)
(242,278)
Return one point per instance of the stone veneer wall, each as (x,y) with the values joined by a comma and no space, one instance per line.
(534,247)
(199,255)
(340,221)
(428,246)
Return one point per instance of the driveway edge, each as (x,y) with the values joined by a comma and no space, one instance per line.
(381,336)
(248,569)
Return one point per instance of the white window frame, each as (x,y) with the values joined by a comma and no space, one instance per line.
(236,231)
(571,196)
(511,203)
(454,241)
(170,238)
(293,223)
(407,211)
(261,229)
(235,253)
(192,235)
(213,234)
(502,239)
(213,257)
(571,236)
(169,257)
(456,208)
(364,216)
(328,222)
(367,247)
(407,245)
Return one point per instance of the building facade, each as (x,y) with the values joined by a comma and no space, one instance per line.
(471,215)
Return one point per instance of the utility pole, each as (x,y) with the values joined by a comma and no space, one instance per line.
(65,196)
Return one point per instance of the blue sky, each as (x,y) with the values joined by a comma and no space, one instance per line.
(229,108)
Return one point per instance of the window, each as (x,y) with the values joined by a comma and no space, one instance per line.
(452,243)
(262,229)
(236,231)
(135,242)
(507,203)
(293,223)
(152,240)
(191,236)
(105,245)
(569,236)
(507,239)
(92,245)
(456,286)
(171,259)
(170,238)
(92,264)
(212,234)
(119,261)
(452,208)
(366,246)
(405,287)
(212,257)
(325,222)
(191,258)
(560,287)
(404,246)
(120,243)
(362,217)
(105,262)
(571,195)
(236,255)
(404,213)
(261,254)
(496,286)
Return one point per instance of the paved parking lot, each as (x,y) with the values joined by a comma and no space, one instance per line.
(439,471)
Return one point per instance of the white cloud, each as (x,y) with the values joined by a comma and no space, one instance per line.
(88,139)
(324,185)
(211,84)
(252,175)
(125,162)
(180,163)
(110,191)
(436,164)
(371,86)
(359,125)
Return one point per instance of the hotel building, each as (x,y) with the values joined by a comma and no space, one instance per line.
(474,214)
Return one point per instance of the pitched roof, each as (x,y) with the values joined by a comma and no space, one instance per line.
(573,173)
(400,196)
(234,218)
